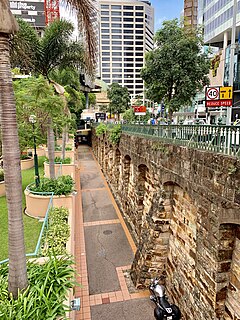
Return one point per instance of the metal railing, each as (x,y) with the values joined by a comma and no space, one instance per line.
(216,138)
(44,225)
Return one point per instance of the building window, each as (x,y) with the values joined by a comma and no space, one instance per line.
(117,65)
(116,25)
(105,13)
(138,26)
(116,31)
(104,19)
(105,48)
(107,80)
(128,81)
(139,14)
(128,65)
(116,37)
(139,19)
(106,65)
(116,13)
(128,76)
(105,59)
(116,53)
(127,7)
(128,43)
(128,13)
(117,75)
(117,43)
(140,65)
(114,7)
(105,42)
(128,31)
(139,81)
(139,59)
(117,70)
(104,6)
(128,25)
(105,31)
(139,43)
(116,48)
(128,37)
(139,37)
(139,7)
(105,25)
(106,75)
(139,31)
(128,70)
(105,70)
(116,59)
(128,54)
(128,19)
(106,53)
(128,59)
(139,86)
(104,36)
(139,48)
(116,19)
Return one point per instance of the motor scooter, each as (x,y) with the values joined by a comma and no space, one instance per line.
(163,310)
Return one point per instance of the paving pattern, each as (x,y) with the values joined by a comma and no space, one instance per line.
(104,249)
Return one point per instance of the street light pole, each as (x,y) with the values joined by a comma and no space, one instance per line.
(32,119)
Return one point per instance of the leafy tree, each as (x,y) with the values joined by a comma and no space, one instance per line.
(130,116)
(177,68)
(86,12)
(119,99)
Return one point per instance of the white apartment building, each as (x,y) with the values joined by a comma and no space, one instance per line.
(125,35)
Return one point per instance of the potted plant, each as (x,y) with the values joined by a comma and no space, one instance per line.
(27,162)
(63,167)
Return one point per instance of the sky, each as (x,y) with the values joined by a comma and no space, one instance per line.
(166,10)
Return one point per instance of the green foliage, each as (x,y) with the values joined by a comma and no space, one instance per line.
(49,284)
(115,134)
(63,161)
(215,62)
(63,185)
(232,170)
(25,157)
(129,116)
(119,98)
(68,148)
(158,146)
(58,232)
(1,175)
(101,129)
(176,69)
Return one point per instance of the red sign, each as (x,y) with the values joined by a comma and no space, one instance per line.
(139,109)
(219,103)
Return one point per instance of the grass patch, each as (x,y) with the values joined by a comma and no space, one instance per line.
(31,226)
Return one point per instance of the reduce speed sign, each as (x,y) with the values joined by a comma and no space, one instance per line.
(212,93)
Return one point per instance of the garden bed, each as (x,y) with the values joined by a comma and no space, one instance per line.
(60,170)
(2,189)
(27,164)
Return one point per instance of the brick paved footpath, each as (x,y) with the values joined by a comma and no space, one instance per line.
(103,249)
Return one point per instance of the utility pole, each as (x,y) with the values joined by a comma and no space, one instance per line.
(232,52)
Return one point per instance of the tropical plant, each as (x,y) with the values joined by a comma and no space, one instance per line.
(115,134)
(63,185)
(101,129)
(49,285)
(86,11)
(176,69)
(63,161)
(58,232)
(119,99)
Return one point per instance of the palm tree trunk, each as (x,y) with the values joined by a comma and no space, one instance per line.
(17,279)
(51,147)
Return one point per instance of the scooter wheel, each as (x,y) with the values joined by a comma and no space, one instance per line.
(176,312)
(158,314)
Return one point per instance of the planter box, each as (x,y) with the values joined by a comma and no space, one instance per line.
(68,154)
(2,189)
(27,164)
(61,170)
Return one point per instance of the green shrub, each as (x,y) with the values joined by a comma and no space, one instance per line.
(58,232)
(68,148)
(49,284)
(58,148)
(1,175)
(101,129)
(115,134)
(63,185)
(63,161)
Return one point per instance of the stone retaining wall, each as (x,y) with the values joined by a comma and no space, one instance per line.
(183,208)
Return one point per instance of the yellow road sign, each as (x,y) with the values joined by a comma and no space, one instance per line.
(226,93)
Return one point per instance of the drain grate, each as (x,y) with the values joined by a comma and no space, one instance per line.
(107,232)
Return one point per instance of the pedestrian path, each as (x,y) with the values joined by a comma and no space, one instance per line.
(104,250)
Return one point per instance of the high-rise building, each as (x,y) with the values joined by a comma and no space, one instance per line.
(191,11)
(126,34)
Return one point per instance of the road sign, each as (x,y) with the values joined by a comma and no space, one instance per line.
(226,93)
(139,110)
(212,93)
(219,96)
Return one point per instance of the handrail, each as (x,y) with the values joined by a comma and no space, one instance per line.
(45,224)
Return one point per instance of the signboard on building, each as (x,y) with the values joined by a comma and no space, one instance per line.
(100,115)
(219,96)
(139,110)
(30,11)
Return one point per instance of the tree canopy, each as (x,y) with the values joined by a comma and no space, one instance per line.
(119,98)
(177,68)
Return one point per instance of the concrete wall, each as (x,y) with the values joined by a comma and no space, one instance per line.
(182,207)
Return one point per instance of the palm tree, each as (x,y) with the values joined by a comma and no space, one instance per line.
(86,12)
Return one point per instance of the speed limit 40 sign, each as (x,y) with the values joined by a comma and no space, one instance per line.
(212,93)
